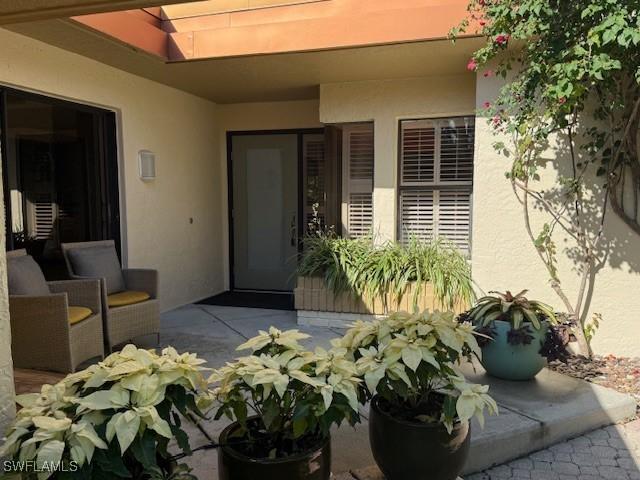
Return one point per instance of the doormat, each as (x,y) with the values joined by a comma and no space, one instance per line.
(272,301)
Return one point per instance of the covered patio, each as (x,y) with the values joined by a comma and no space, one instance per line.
(534,416)
(207,152)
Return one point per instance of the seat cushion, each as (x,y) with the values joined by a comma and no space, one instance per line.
(128,297)
(25,277)
(77,314)
(98,262)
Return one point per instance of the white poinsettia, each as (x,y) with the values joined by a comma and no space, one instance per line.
(288,339)
(473,400)
(409,357)
(414,349)
(278,371)
(292,391)
(117,397)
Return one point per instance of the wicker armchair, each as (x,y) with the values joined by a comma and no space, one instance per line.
(123,323)
(42,335)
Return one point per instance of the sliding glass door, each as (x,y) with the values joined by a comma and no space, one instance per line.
(59,173)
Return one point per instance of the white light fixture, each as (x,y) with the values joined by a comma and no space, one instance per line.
(147,165)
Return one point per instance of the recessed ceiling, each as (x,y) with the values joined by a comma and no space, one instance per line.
(290,76)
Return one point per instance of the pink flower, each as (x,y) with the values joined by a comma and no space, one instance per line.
(486,104)
(497,120)
(488,73)
(472,66)
(562,100)
(502,39)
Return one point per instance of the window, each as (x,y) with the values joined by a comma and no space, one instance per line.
(357,184)
(436,179)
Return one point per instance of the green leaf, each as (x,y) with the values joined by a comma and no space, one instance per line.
(144,449)
(299,427)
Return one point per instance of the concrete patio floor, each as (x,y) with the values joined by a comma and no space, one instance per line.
(533,415)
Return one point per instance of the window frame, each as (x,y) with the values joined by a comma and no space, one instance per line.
(436,185)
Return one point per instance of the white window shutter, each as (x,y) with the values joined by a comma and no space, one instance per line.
(418,215)
(43,216)
(357,185)
(314,164)
(456,151)
(436,179)
(454,215)
(418,152)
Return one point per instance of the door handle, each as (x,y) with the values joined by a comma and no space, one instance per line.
(293,230)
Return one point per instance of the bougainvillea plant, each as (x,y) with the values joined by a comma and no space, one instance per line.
(571,74)
(113,420)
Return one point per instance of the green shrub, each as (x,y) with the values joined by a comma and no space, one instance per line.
(359,267)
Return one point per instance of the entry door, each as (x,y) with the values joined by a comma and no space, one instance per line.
(265,211)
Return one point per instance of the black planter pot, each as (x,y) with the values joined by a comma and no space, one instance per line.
(233,465)
(406,450)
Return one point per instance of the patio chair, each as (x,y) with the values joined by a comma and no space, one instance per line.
(55,326)
(130,306)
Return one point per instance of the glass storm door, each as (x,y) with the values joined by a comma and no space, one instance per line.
(265,211)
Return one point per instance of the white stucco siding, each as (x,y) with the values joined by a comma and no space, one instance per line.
(504,257)
(174,222)
(386,102)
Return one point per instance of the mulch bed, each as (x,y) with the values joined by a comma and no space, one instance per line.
(618,373)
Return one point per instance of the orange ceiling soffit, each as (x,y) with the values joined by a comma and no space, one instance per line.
(136,28)
(300,27)
(20,11)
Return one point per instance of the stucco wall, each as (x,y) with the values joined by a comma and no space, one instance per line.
(7,403)
(386,102)
(238,117)
(179,128)
(504,258)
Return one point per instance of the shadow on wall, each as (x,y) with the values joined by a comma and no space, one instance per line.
(619,247)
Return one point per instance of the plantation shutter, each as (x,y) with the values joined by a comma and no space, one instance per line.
(357,188)
(436,180)
(43,216)
(417,211)
(314,165)
(454,214)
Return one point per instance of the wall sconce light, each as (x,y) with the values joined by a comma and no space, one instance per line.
(147,165)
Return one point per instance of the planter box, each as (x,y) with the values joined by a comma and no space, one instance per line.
(316,305)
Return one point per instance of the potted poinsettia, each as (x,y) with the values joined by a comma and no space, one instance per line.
(283,400)
(520,334)
(113,420)
(420,402)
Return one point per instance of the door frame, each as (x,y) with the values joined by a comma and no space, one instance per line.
(108,161)
(300,132)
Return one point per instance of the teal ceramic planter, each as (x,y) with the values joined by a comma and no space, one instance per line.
(513,362)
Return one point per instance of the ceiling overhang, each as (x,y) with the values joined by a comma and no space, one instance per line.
(302,26)
(271,53)
(263,78)
(20,11)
